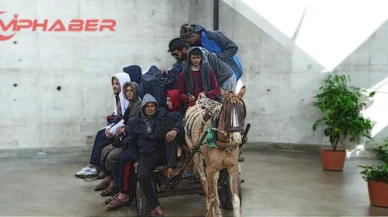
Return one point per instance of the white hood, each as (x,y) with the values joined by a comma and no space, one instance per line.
(122,78)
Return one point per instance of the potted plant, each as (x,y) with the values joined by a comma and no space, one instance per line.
(377,178)
(341,106)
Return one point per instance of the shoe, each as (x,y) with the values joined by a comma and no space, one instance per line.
(102,186)
(156,214)
(107,192)
(117,203)
(87,172)
(169,175)
(107,201)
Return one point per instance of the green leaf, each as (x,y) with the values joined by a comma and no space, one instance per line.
(340,109)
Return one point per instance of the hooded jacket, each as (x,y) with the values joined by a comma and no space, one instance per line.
(221,70)
(175,100)
(217,42)
(177,106)
(147,134)
(122,78)
(133,108)
(134,72)
(207,82)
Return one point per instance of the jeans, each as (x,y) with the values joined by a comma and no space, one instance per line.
(122,172)
(148,163)
(96,152)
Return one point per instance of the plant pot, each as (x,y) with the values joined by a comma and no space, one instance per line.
(378,193)
(333,160)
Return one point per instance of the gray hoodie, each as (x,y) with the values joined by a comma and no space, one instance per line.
(221,70)
(147,99)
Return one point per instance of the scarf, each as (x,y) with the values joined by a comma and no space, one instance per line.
(205,77)
(195,68)
(118,105)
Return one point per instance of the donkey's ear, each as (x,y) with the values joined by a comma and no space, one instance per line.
(241,92)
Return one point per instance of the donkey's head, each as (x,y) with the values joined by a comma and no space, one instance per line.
(233,114)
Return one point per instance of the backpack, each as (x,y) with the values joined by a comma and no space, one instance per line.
(134,72)
(157,84)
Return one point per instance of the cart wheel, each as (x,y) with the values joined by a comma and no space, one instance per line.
(225,194)
(143,209)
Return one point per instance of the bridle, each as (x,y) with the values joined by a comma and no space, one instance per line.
(236,112)
(233,113)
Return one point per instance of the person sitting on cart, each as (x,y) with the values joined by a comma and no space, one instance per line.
(225,76)
(197,79)
(175,105)
(152,142)
(215,42)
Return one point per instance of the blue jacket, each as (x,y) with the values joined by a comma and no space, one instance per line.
(217,42)
(176,68)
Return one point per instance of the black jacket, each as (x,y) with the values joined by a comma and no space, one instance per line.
(141,143)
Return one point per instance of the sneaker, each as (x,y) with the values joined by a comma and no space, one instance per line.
(87,172)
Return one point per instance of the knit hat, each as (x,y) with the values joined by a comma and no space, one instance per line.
(186,31)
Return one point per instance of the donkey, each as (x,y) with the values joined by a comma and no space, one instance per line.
(231,115)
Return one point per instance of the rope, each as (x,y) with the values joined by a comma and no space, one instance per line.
(199,110)
(203,101)
(213,108)
(222,131)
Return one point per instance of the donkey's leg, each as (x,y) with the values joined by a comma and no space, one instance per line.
(203,179)
(211,198)
(217,209)
(199,167)
(234,181)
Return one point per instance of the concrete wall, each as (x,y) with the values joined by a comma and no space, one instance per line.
(34,114)
(280,77)
(368,68)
